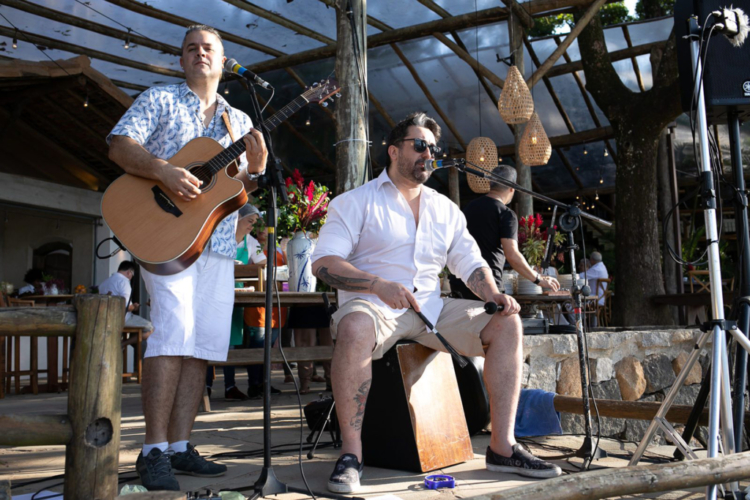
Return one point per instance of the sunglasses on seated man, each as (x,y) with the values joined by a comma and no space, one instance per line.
(420,145)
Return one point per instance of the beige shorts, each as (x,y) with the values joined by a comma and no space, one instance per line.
(460,323)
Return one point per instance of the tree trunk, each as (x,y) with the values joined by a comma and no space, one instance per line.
(637,119)
(351,119)
(524,202)
(638,269)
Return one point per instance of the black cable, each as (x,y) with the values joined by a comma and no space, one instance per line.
(296,389)
(23,35)
(589,387)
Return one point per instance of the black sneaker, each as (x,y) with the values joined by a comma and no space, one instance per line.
(156,471)
(191,463)
(234,394)
(346,474)
(521,462)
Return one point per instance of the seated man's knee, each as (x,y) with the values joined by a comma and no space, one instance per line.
(356,328)
(503,329)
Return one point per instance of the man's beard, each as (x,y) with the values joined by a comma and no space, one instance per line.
(414,171)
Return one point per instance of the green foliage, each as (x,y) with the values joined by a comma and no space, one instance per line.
(648,9)
(613,13)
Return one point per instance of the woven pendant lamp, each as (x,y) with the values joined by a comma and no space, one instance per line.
(482,152)
(515,104)
(535,148)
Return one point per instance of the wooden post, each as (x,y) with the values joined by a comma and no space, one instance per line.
(5,489)
(35,430)
(94,398)
(351,116)
(453,186)
(665,204)
(524,202)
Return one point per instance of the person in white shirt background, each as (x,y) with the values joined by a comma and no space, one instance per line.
(595,271)
(119,285)
(383,247)
(33,278)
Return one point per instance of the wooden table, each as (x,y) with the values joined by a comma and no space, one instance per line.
(53,381)
(242,298)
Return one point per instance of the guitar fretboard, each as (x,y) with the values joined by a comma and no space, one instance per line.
(221,160)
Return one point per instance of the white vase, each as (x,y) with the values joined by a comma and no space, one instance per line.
(51,289)
(299,251)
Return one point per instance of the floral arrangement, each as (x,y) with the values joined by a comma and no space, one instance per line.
(307,208)
(80,289)
(532,240)
(52,285)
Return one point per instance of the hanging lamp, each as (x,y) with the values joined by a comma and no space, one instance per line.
(515,104)
(482,152)
(535,148)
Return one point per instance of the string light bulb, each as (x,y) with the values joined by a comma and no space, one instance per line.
(15,39)
(383,141)
(226,88)
(86,101)
(126,45)
(606,153)
(307,122)
(597,195)
(585,151)
(481,154)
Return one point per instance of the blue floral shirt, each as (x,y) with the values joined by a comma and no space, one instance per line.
(164,119)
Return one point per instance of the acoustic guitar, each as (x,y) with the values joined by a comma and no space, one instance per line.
(166,234)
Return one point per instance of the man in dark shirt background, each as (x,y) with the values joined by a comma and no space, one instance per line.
(495,227)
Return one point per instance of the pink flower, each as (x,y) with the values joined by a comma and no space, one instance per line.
(288,182)
(539,220)
(310,192)
(298,179)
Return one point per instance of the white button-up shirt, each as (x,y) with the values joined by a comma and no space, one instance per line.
(595,273)
(373,228)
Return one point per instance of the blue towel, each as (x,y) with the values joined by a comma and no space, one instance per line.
(536,415)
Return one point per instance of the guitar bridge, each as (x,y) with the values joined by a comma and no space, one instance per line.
(164,202)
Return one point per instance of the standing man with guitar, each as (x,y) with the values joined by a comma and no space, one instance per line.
(191,310)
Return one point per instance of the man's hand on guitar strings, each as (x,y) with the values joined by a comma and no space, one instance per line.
(180,181)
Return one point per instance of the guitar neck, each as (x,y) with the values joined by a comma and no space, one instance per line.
(231,153)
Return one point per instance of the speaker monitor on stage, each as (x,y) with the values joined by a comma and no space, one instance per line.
(727,73)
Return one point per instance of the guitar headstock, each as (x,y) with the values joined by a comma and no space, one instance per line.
(323,91)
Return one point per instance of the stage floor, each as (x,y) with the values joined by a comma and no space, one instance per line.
(237,427)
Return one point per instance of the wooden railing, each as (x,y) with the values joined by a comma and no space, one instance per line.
(91,429)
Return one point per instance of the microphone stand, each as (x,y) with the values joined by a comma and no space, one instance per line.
(267,483)
(569,222)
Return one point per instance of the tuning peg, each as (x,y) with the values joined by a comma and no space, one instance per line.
(315,84)
(338,95)
(324,104)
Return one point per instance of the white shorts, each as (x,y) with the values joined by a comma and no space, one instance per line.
(192,310)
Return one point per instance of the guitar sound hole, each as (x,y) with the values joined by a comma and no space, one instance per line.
(203,174)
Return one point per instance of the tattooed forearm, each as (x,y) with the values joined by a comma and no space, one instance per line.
(342,282)
(479,283)
(361,400)
(372,285)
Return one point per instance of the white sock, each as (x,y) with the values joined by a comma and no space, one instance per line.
(148,447)
(178,447)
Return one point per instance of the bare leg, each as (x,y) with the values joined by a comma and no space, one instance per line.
(502,376)
(352,375)
(160,377)
(187,399)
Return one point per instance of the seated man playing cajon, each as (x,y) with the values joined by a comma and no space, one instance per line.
(382,247)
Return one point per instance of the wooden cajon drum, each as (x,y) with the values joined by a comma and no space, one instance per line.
(414,419)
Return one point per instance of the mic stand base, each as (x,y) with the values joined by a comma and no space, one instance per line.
(268,484)
(588,452)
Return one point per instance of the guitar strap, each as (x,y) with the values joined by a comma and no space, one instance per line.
(234,166)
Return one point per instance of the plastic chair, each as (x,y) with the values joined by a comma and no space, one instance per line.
(604,312)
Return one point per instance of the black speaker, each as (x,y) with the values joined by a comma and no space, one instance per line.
(727,68)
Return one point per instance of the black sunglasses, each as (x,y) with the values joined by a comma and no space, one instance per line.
(420,146)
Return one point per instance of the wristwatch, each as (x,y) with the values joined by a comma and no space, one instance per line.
(254,177)
(537,280)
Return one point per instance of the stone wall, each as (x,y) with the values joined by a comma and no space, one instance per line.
(636,365)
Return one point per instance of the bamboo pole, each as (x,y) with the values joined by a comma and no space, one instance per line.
(35,430)
(352,109)
(560,141)
(38,321)
(428,95)
(483,17)
(147,10)
(518,11)
(580,24)
(62,17)
(634,480)
(94,399)
(618,55)
(277,19)
(24,36)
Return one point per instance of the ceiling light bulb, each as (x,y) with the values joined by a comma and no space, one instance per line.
(126,45)
(445,154)
(576,197)
(584,151)
(533,139)
(86,102)
(383,141)
(307,122)
(481,154)
(226,89)
(15,39)
(606,153)
(601,181)
(597,195)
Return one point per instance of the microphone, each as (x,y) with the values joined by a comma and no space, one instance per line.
(432,165)
(733,24)
(232,66)
(492,308)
